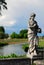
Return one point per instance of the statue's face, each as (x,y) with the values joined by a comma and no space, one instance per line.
(32,17)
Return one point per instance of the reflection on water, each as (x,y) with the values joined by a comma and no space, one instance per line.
(13,48)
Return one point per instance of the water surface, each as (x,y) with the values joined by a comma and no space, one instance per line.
(12,48)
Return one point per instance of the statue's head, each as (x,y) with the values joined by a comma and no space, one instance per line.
(33,15)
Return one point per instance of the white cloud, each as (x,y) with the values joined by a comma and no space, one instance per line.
(7,20)
(17,8)
(7,23)
(2,17)
(20,8)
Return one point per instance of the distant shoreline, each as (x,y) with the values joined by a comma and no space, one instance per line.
(20,41)
(14,41)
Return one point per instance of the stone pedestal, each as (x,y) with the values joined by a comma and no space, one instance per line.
(39,59)
(39,62)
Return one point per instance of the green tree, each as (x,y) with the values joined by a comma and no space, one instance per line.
(3,5)
(2,32)
(2,35)
(2,29)
(23,33)
(6,35)
(14,35)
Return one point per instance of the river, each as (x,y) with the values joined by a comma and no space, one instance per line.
(12,48)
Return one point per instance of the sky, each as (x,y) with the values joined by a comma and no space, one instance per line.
(16,17)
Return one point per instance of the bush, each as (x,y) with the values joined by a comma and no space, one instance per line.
(25,47)
(3,43)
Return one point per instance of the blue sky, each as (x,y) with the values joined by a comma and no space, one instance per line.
(18,14)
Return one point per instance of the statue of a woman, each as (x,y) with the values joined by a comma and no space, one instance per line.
(33,39)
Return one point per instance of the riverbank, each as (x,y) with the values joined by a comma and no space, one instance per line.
(14,41)
(3,44)
(20,41)
(17,40)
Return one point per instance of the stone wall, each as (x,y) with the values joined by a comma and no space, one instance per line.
(17,61)
(24,61)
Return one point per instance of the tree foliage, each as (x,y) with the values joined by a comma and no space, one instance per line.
(6,35)
(2,32)
(2,35)
(22,34)
(14,35)
(2,29)
(3,5)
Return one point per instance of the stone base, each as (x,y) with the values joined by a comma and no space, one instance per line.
(31,55)
(39,62)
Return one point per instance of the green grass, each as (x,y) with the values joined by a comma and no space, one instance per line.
(12,56)
(41,43)
(13,40)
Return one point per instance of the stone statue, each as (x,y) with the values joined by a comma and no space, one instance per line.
(33,39)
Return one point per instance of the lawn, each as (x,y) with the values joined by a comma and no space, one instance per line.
(41,42)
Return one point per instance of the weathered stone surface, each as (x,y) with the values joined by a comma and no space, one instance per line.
(39,62)
(18,61)
(40,55)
